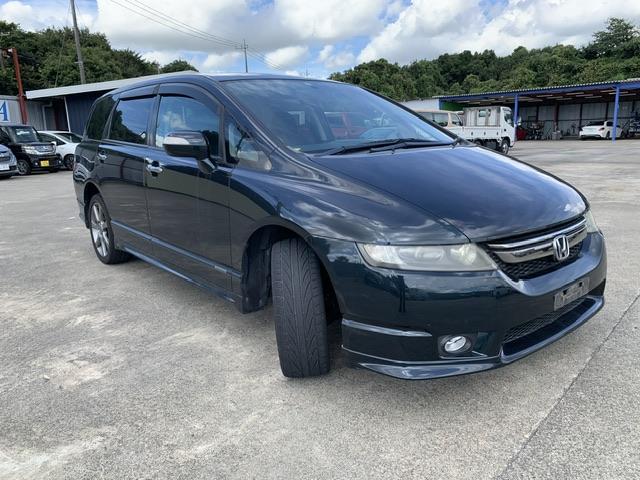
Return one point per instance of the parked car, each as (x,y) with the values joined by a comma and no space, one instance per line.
(8,166)
(31,152)
(599,129)
(438,257)
(66,143)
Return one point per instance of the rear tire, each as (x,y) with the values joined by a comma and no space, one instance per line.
(102,237)
(298,303)
(68,162)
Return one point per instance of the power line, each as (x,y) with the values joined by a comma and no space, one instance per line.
(222,40)
(161,18)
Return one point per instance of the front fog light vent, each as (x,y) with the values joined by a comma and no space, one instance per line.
(456,344)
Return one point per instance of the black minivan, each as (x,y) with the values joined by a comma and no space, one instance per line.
(437,256)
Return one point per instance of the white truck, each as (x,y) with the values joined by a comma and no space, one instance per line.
(490,126)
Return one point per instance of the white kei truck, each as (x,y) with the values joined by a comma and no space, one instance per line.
(490,126)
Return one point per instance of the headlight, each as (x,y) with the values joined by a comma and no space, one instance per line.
(435,258)
(29,150)
(592,227)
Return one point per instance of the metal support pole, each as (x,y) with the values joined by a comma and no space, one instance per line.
(21,98)
(244,47)
(76,36)
(515,118)
(615,114)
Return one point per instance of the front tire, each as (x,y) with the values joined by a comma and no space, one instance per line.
(24,167)
(299,313)
(102,237)
(504,146)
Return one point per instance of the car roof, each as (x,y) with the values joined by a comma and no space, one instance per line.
(14,125)
(217,77)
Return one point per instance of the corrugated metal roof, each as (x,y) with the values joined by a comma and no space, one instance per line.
(576,86)
(92,87)
(114,84)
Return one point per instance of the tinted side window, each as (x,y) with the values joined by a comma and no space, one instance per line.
(186,114)
(99,116)
(129,120)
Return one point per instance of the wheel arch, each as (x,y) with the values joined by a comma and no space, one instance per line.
(90,189)
(256,265)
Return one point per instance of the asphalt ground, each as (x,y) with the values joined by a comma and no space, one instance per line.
(128,372)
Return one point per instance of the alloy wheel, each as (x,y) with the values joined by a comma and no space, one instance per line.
(99,230)
(23,168)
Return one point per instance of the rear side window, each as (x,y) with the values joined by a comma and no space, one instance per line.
(130,119)
(455,119)
(99,116)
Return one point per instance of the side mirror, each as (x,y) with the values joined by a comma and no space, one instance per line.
(186,144)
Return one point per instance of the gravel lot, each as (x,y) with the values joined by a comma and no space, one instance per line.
(128,372)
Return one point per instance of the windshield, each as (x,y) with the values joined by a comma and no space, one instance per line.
(70,137)
(24,134)
(315,116)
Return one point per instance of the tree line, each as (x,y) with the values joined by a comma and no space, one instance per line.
(613,54)
(48,59)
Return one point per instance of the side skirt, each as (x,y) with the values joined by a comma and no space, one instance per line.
(227,295)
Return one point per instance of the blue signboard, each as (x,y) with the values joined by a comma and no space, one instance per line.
(4,111)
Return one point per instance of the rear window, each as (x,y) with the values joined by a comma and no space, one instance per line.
(99,116)
(130,119)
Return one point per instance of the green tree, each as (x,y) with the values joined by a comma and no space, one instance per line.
(178,66)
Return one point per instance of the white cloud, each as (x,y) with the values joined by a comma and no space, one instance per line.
(332,60)
(287,56)
(35,16)
(330,19)
(425,29)
(219,61)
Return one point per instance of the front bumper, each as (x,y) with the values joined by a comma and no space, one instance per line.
(592,135)
(394,322)
(37,162)
(13,170)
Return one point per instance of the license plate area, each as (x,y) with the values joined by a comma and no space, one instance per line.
(4,166)
(571,293)
(44,163)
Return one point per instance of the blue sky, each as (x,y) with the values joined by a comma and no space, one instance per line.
(320,37)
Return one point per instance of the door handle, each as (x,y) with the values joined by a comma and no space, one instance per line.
(102,156)
(153,166)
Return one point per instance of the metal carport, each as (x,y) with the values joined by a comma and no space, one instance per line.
(603,99)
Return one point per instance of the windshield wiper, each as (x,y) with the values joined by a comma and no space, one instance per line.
(382,145)
(409,143)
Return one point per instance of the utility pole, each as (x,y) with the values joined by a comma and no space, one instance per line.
(16,66)
(244,47)
(76,35)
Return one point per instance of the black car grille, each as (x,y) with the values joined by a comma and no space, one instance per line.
(532,268)
(536,324)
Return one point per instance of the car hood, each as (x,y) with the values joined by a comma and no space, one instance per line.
(483,194)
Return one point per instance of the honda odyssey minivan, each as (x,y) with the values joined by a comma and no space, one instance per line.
(436,256)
